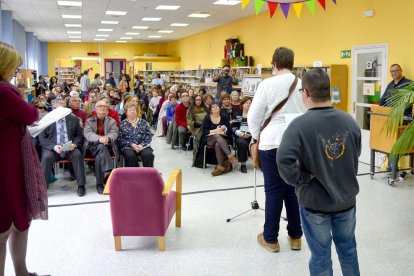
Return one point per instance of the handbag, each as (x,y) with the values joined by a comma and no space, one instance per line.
(254,146)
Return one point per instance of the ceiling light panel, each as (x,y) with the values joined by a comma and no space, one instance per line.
(179,25)
(151,19)
(121,41)
(110,22)
(154,36)
(74,32)
(140,27)
(199,15)
(102,35)
(74,36)
(125,37)
(100,39)
(75,40)
(71,16)
(165,31)
(167,7)
(116,12)
(73,25)
(132,33)
(105,30)
(227,2)
(70,3)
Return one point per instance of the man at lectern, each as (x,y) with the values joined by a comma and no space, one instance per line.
(398,81)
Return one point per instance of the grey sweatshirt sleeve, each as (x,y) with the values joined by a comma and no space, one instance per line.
(288,159)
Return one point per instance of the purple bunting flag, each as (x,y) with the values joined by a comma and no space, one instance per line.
(285,8)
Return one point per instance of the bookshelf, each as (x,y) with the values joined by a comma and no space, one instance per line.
(66,74)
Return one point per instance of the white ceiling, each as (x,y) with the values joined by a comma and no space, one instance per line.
(44,18)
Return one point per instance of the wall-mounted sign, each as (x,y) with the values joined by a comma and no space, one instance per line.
(346,54)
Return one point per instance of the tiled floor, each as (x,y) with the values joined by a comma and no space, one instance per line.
(77,240)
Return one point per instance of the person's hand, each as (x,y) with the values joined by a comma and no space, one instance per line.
(58,149)
(72,147)
(104,140)
(247,135)
(139,148)
(34,124)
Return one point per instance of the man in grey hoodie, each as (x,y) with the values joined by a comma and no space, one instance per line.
(318,155)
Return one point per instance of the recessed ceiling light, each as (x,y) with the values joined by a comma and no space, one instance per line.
(71,16)
(116,12)
(110,22)
(140,27)
(132,33)
(151,19)
(105,30)
(75,40)
(199,15)
(125,37)
(74,36)
(73,25)
(102,35)
(100,39)
(167,7)
(74,32)
(179,24)
(154,36)
(165,31)
(70,3)
(227,2)
(121,41)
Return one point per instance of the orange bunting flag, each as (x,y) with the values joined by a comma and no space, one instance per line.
(272,8)
(323,4)
(244,3)
(298,8)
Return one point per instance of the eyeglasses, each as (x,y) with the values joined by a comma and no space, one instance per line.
(42,107)
(394,71)
(301,90)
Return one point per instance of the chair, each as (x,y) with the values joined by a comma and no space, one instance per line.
(141,205)
(205,155)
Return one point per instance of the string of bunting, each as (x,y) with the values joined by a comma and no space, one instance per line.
(285,5)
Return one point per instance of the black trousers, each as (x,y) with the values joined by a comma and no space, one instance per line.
(146,155)
(242,145)
(50,157)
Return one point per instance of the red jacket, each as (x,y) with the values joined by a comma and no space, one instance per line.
(181,115)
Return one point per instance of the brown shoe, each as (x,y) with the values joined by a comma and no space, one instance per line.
(218,171)
(295,244)
(228,167)
(274,247)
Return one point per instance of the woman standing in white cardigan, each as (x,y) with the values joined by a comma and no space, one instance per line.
(269,94)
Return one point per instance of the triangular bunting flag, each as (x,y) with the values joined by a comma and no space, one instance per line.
(258,4)
(244,3)
(272,8)
(285,8)
(323,4)
(311,6)
(298,8)
(334,1)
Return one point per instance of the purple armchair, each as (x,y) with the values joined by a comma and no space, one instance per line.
(141,205)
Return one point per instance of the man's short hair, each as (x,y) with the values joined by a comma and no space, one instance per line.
(396,64)
(224,95)
(226,65)
(283,58)
(316,82)
(58,101)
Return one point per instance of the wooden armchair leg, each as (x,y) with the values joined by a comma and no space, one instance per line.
(118,244)
(161,243)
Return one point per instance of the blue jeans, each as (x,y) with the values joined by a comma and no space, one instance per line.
(277,192)
(319,231)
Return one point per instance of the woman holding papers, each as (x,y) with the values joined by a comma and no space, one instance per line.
(135,138)
(16,209)
(216,128)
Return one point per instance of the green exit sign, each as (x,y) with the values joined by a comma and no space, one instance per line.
(346,54)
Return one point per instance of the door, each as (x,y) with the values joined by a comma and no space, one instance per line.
(369,79)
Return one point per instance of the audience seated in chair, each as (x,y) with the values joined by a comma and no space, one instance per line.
(196,114)
(135,138)
(181,119)
(54,137)
(216,128)
(241,134)
(141,205)
(101,133)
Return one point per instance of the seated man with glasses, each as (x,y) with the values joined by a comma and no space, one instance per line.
(101,133)
(52,140)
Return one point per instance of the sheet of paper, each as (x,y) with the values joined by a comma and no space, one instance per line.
(50,118)
(66,146)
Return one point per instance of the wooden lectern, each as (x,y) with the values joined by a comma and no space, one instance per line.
(382,142)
